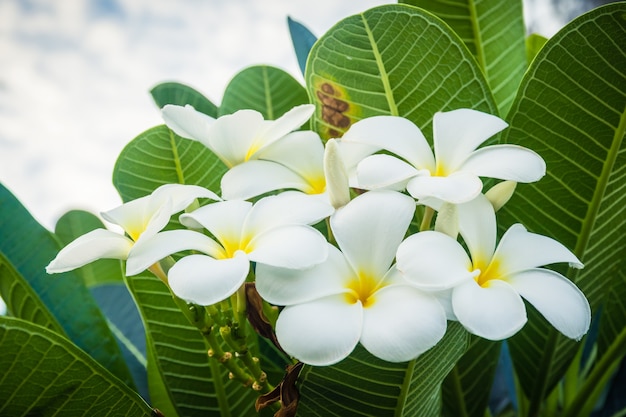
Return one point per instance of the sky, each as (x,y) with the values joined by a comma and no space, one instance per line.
(75,79)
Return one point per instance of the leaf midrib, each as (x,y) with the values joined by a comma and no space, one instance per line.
(384,77)
(598,194)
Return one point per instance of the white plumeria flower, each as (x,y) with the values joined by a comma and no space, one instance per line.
(486,290)
(235,138)
(452,173)
(273,231)
(356,295)
(141,219)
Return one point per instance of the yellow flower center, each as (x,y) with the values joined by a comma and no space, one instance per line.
(232,245)
(362,288)
(317,184)
(488,272)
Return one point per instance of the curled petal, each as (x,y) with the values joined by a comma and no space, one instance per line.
(294,246)
(254,178)
(321,332)
(97,244)
(456,188)
(369,229)
(232,137)
(506,162)
(477,224)
(282,286)
(286,123)
(182,195)
(223,219)
(402,323)
(397,135)
(384,171)
(163,244)
(301,152)
(433,261)
(205,281)
(556,298)
(458,133)
(493,312)
(520,250)
(187,122)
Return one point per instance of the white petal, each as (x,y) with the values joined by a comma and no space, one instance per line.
(397,135)
(321,332)
(519,250)
(293,246)
(302,152)
(282,286)
(384,171)
(556,298)
(286,208)
(506,162)
(232,137)
(161,245)
(402,323)
(182,195)
(494,312)
(477,224)
(187,122)
(369,229)
(97,244)
(254,178)
(288,122)
(456,188)
(352,153)
(433,261)
(445,299)
(223,219)
(205,281)
(335,175)
(459,132)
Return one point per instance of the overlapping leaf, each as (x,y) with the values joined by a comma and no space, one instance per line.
(45,374)
(268,90)
(181,95)
(365,385)
(158,156)
(571,109)
(393,59)
(28,247)
(493,31)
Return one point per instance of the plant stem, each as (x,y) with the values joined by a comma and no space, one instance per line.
(427,219)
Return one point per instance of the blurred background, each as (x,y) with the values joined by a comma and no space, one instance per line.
(75,77)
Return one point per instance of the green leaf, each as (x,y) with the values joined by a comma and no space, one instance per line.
(45,374)
(268,90)
(181,377)
(534,43)
(365,385)
(21,300)
(613,316)
(181,95)
(76,223)
(29,248)
(571,110)
(493,30)
(157,157)
(393,59)
(302,39)
(466,389)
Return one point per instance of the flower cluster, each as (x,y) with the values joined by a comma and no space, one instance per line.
(366,282)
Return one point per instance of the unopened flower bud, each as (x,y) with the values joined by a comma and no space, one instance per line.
(500,194)
(336,175)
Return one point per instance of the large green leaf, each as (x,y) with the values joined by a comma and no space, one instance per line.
(182,379)
(613,318)
(22,301)
(268,90)
(44,374)
(365,385)
(29,248)
(75,223)
(493,30)
(466,389)
(158,156)
(393,59)
(181,95)
(571,109)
